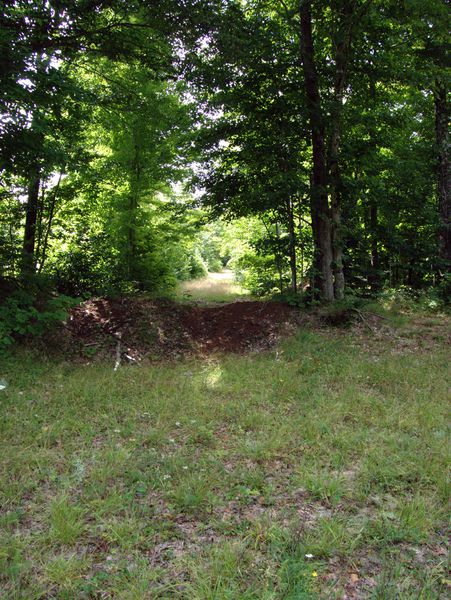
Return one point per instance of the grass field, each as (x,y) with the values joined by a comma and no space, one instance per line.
(216,287)
(317,470)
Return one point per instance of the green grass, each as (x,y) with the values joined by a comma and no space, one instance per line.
(217,479)
(215,288)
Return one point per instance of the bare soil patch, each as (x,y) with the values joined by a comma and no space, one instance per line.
(140,328)
(163,329)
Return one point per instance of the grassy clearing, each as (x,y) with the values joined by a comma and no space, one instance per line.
(315,471)
(216,287)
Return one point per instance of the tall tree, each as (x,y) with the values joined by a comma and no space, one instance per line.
(320,210)
(443,168)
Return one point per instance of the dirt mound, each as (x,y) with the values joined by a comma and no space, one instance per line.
(237,326)
(141,327)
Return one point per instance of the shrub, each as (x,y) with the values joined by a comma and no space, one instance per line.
(30,312)
(430,299)
(258,274)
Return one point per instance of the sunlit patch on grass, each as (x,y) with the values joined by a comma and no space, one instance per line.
(213,375)
(216,287)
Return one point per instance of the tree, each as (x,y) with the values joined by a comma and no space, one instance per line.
(44,106)
(320,209)
(303,116)
(252,135)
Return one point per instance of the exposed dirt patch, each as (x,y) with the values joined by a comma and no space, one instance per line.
(144,328)
(238,326)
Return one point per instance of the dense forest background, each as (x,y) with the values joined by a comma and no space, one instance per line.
(304,144)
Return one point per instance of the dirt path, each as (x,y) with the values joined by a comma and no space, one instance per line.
(215,288)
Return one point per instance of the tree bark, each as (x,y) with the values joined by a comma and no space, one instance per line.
(43,254)
(335,196)
(319,203)
(337,248)
(31,214)
(342,44)
(443,175)
(292,248)
(373,278)
(39,227)
(301,249)
(278,259)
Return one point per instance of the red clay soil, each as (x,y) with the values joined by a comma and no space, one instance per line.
(156,329)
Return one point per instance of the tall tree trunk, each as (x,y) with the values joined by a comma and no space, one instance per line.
(335,197)
(319,203)
(279,259)
(131,226)
(39,227)
(302,251)
(43,253)
(443,179)
(342,43)
(337,242)
(292,250)
(31,214)
(374,279)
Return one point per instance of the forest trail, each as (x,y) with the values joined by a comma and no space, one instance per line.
(214,288)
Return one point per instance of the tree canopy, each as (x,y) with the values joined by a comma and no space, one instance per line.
(321,126)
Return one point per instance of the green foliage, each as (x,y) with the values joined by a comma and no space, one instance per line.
(253,144)
(429,300)
(24,312)
(297,299)
(187,262)
(87,267)
(212,248)
(257,274)
(109,111)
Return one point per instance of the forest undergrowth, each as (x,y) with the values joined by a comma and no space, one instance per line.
(314,469)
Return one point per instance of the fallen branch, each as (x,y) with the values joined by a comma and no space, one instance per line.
(365,322)
(378,316)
